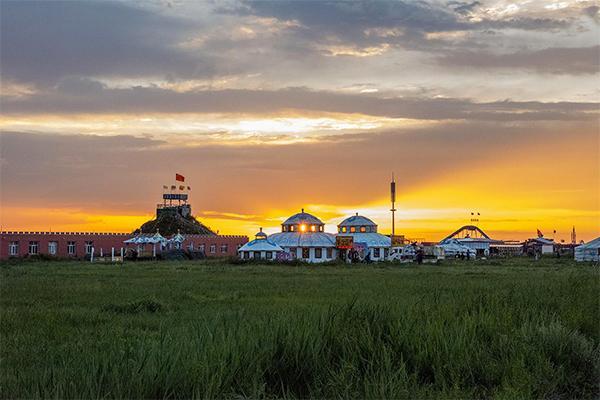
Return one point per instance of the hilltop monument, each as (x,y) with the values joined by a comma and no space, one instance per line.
(174,214)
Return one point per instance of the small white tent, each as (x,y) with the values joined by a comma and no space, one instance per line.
(589,251)
(454,247)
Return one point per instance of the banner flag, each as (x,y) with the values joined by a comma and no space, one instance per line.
(179,178)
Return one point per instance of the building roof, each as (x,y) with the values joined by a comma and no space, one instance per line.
(178,238)
(303,218)
(541,240)
(146,238)
(476,240)
(260,245)
(260,235)
(372,239)
(357,220)
(468,232)
(593,244)
(306,239)
(453,245)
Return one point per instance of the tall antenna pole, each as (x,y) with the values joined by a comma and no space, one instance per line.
(393,209)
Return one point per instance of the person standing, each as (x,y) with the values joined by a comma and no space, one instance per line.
(419,256)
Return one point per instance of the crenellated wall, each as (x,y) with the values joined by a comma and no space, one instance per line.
(214,246)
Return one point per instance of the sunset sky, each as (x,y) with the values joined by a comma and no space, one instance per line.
(268,107)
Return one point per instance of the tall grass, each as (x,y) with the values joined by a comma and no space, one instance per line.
(464,332)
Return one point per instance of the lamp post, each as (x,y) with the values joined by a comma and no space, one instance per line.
(393,209)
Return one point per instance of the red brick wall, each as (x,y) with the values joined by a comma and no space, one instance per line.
(104,241)
(224,245)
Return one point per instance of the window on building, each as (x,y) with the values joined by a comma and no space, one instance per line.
(88,247)
(343,229)
(293,252)
(329,252)
(257,255)
(52,248)
(306,252)
(363,229)
(213,248)
(201,247)
(313,228)
(191,246)
(246,254)
(352,229)
(71,248)
(269,255)
(321,228)
(33,248)
(224,248)
(13,248)
(292,228)
(318,252)
(376,252)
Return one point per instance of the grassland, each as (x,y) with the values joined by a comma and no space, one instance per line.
(510,329)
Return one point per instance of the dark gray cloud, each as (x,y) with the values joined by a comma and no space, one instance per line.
(81,97)
(351,22)
(407,25)
(578,60)
(463,7)
(43,42)
(592,12)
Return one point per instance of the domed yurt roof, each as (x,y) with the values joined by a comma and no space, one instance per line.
(357,220)
(303,218)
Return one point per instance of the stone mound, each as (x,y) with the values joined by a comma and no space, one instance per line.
(170,224)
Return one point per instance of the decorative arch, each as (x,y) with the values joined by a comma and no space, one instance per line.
(468,231)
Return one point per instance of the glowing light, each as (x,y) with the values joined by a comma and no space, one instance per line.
(284,128)
(303,228)
(335,51)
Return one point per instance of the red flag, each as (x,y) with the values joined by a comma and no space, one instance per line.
(540,234)
(179,178)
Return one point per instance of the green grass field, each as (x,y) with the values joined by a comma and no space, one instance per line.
(497,329)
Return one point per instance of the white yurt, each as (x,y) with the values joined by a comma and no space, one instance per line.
(260,248)
(453,248)
(157,241)
(302,237)
(589,251)
(364,231)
